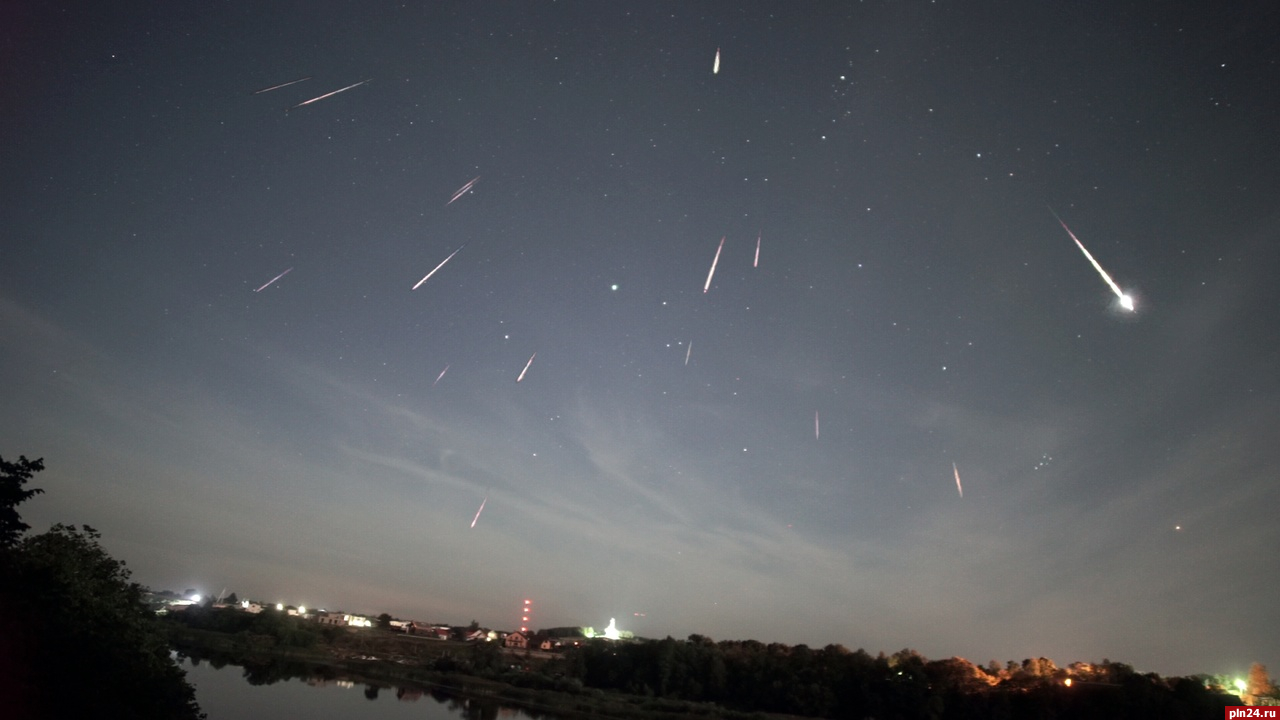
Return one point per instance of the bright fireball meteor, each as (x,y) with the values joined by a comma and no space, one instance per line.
(1126,301)
(715,67)
(477,517)
(959,488)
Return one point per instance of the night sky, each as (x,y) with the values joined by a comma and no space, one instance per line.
(789,477)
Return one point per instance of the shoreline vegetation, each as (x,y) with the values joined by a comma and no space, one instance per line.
(695,678)
(265,662)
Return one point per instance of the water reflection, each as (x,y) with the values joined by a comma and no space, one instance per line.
(266,671)
(241,688)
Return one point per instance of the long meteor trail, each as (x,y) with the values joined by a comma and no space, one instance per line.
(477,517)
(433,272)
(1126,301)
(959,487)
(713,266)
(268,283)
(462,190)
(326,95)
(688,351)
(442,372)
(526,367)
(277,87)
(757,262)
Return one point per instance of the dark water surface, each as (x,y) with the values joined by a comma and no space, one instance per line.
(233,693)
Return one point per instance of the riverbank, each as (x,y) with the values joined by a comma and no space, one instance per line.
(391,660)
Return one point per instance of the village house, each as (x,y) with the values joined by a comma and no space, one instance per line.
(543,642)
(466,634)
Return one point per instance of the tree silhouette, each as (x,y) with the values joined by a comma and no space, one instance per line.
(77,638)
(12,477)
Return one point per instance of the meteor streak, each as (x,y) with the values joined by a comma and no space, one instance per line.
(442,372)
(713,266)
(526,367)
(757,262)
(815,425)
(462,190)
(326,95)
(264,287)
(687,352)
(477,517)
(1126,301)
(433,272)
(277,87)
(959,488)
(715,68)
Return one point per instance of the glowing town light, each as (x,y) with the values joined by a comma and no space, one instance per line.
(279,606)
(195,598)
(302,609)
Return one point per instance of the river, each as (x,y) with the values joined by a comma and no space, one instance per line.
(230,692)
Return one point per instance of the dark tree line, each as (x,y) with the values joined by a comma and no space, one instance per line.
(270,628)
(833,682)
(76,638)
